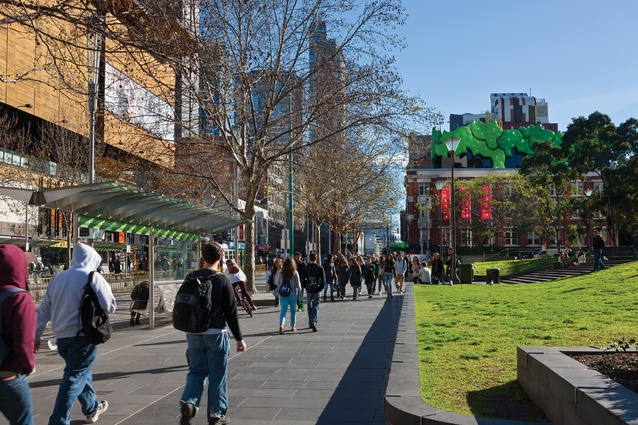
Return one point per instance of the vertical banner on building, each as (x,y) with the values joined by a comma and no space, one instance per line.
(241,233)
(466,203)
(486,202)
(445,202)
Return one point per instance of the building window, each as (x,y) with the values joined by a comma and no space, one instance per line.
(423,189)
(578,187)
(467,238)
(510,237)
(533,239)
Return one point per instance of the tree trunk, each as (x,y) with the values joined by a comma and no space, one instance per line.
(249,248)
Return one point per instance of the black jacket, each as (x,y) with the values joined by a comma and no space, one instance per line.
(224,310)
(313,270)
(599,243)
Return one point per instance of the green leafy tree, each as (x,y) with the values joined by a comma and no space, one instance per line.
(550,171)
(598,146)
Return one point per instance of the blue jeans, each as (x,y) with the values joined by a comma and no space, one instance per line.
(332,290)
(370,286)
(77,380)
(15,400)
(313,307)
(208,360)
(388,283)
(598,259)
(284,303)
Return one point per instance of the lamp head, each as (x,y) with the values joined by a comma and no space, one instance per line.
(439,184)
(588,192)
(452,144)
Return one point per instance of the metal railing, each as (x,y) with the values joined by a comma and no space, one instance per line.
(120,282)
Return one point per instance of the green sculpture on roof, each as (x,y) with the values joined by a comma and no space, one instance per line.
(491,141)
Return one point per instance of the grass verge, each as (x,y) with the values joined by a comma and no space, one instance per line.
(511,267)
(468,334)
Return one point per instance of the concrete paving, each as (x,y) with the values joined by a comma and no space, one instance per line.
(337,375)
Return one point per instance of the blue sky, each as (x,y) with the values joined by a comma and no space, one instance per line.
(578,55)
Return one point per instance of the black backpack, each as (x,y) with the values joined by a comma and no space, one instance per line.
(313,278)
(285,289)
(96,325)
(193,304)
(4,348)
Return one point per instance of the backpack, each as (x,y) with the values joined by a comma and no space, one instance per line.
(95,323)
(314,278)
(285,289)
(193,304)
(4,348)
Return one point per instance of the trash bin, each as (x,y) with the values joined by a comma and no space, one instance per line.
(467,273)
(493,276)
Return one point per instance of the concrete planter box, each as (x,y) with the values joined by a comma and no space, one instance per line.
(569,392)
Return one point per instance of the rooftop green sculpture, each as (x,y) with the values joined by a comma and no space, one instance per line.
(489,140)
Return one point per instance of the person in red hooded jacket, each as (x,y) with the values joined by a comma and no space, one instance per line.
(18,332)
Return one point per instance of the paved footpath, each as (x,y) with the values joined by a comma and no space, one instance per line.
(337,375)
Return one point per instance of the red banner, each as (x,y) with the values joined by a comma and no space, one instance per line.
(445,202)
(466,203)
(486,202)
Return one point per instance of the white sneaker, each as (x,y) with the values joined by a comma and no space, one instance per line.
(101,408)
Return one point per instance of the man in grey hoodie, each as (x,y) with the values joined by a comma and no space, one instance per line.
(61,306)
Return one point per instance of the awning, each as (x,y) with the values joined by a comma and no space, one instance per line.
(113,205)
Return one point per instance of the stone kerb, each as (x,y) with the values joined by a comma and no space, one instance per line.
(403,402)
(571,393)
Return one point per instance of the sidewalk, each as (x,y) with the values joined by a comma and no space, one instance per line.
(335,376)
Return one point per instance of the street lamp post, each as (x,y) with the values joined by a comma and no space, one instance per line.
(452,144)
(439,186)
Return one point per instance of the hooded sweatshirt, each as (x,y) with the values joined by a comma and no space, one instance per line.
(18,313)
(61,303)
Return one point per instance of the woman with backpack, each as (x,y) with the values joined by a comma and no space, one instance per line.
(288,289)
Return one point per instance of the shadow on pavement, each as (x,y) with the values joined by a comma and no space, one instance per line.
(359,396)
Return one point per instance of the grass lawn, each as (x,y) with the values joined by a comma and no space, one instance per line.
(514,266)
(468,334)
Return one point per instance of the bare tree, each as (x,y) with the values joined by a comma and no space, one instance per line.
(265,78)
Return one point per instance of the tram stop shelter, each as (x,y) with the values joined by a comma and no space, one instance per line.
(117,207)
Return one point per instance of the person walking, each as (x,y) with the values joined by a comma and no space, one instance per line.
(370,276)
(388,273)
(314,280)
(355,277)
(416,268)
(437,268)
(272,285)
(380,274)
(288,278)
(18,331)
(343,275)
(330,273)
(61,306)
(301,266)
(598,245)
(401,268)
(209,351)
(139,295)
